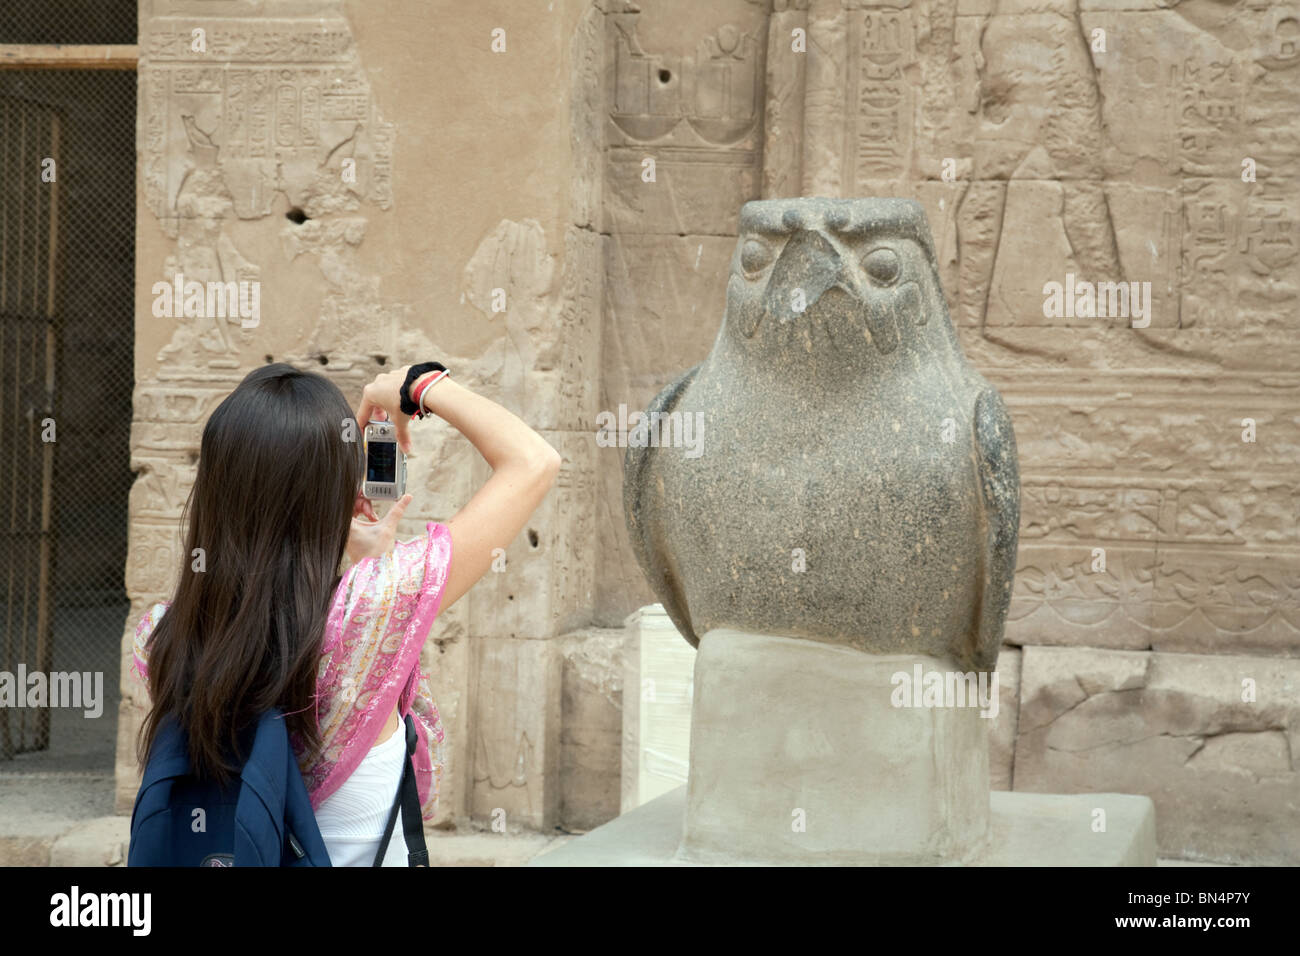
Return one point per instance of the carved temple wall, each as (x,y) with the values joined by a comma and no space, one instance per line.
(342,154)
(1158,549)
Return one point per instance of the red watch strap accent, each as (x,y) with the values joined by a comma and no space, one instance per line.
(418,397)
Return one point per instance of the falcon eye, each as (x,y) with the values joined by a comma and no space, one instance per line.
(883,265)
(754,256)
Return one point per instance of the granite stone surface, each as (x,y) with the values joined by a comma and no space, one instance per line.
(835,468)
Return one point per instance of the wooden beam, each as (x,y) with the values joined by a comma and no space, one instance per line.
(30,56)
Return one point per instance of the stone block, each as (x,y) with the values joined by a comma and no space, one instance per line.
(659,676)
(591,727)
(515,732)
(98,842)
(804,752)
(1002,727)
(543,585)
(1027,829)
(1179,729)
(664,300)
(445,662)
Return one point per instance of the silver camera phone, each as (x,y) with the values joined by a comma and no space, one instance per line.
(385,463)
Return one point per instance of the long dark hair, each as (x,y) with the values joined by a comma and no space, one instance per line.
(278,473)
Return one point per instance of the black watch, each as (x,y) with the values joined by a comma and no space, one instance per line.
(409,407)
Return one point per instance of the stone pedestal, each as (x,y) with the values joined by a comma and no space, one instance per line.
(816,754)
(658,678)
(799,755)
(1026,829)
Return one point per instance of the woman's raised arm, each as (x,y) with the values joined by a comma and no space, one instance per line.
(524,467)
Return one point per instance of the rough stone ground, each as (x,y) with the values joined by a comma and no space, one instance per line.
(66,820)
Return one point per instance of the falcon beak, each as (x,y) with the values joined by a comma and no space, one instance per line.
(809,262)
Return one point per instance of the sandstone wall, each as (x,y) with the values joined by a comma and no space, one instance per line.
(473,173)
(1158,580)
(1158,566)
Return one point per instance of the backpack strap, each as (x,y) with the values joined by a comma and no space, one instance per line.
(408,801)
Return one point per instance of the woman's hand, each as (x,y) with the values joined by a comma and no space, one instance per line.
(364,506)
(384,395)
(374,538)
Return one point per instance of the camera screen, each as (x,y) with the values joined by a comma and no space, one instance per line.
(381,461)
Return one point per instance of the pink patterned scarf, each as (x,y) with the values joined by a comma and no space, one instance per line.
(370,663)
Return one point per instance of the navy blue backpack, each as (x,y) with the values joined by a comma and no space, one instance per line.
(263,819)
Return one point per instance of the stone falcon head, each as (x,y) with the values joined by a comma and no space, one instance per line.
(853,278)
(838,416)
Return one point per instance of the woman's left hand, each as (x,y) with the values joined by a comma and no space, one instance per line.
(374,538)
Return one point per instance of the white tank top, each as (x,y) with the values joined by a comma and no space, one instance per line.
(352,818)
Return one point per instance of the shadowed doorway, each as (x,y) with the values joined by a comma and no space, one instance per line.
(67,225)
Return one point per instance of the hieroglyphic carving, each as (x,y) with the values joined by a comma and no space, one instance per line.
(1133,430)
(1208,600)
(587,117)
(265,40)
(285,108)
(880,100)
(1201,600)
(206,254)
(718,96)
(1210,112)
(161,488)
(1196,564)
(695,112)
(354,320)
(267,129)
(1209,243)
(1186,511)
(1268,241)
(512,262)
(1236,106)
(727,83)
(579,322)
(1034,125)
(516,696)
(573,578)
(825,110)
(1061,599)
(783,118)
(645,103)
(153,559)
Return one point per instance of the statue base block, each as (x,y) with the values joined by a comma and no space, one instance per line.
(1026,829)
(804,753)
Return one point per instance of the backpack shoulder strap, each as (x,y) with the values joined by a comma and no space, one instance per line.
(169,756)
(276,825)
(408,801)
(167,760)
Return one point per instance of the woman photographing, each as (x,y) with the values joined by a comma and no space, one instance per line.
(261,617)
